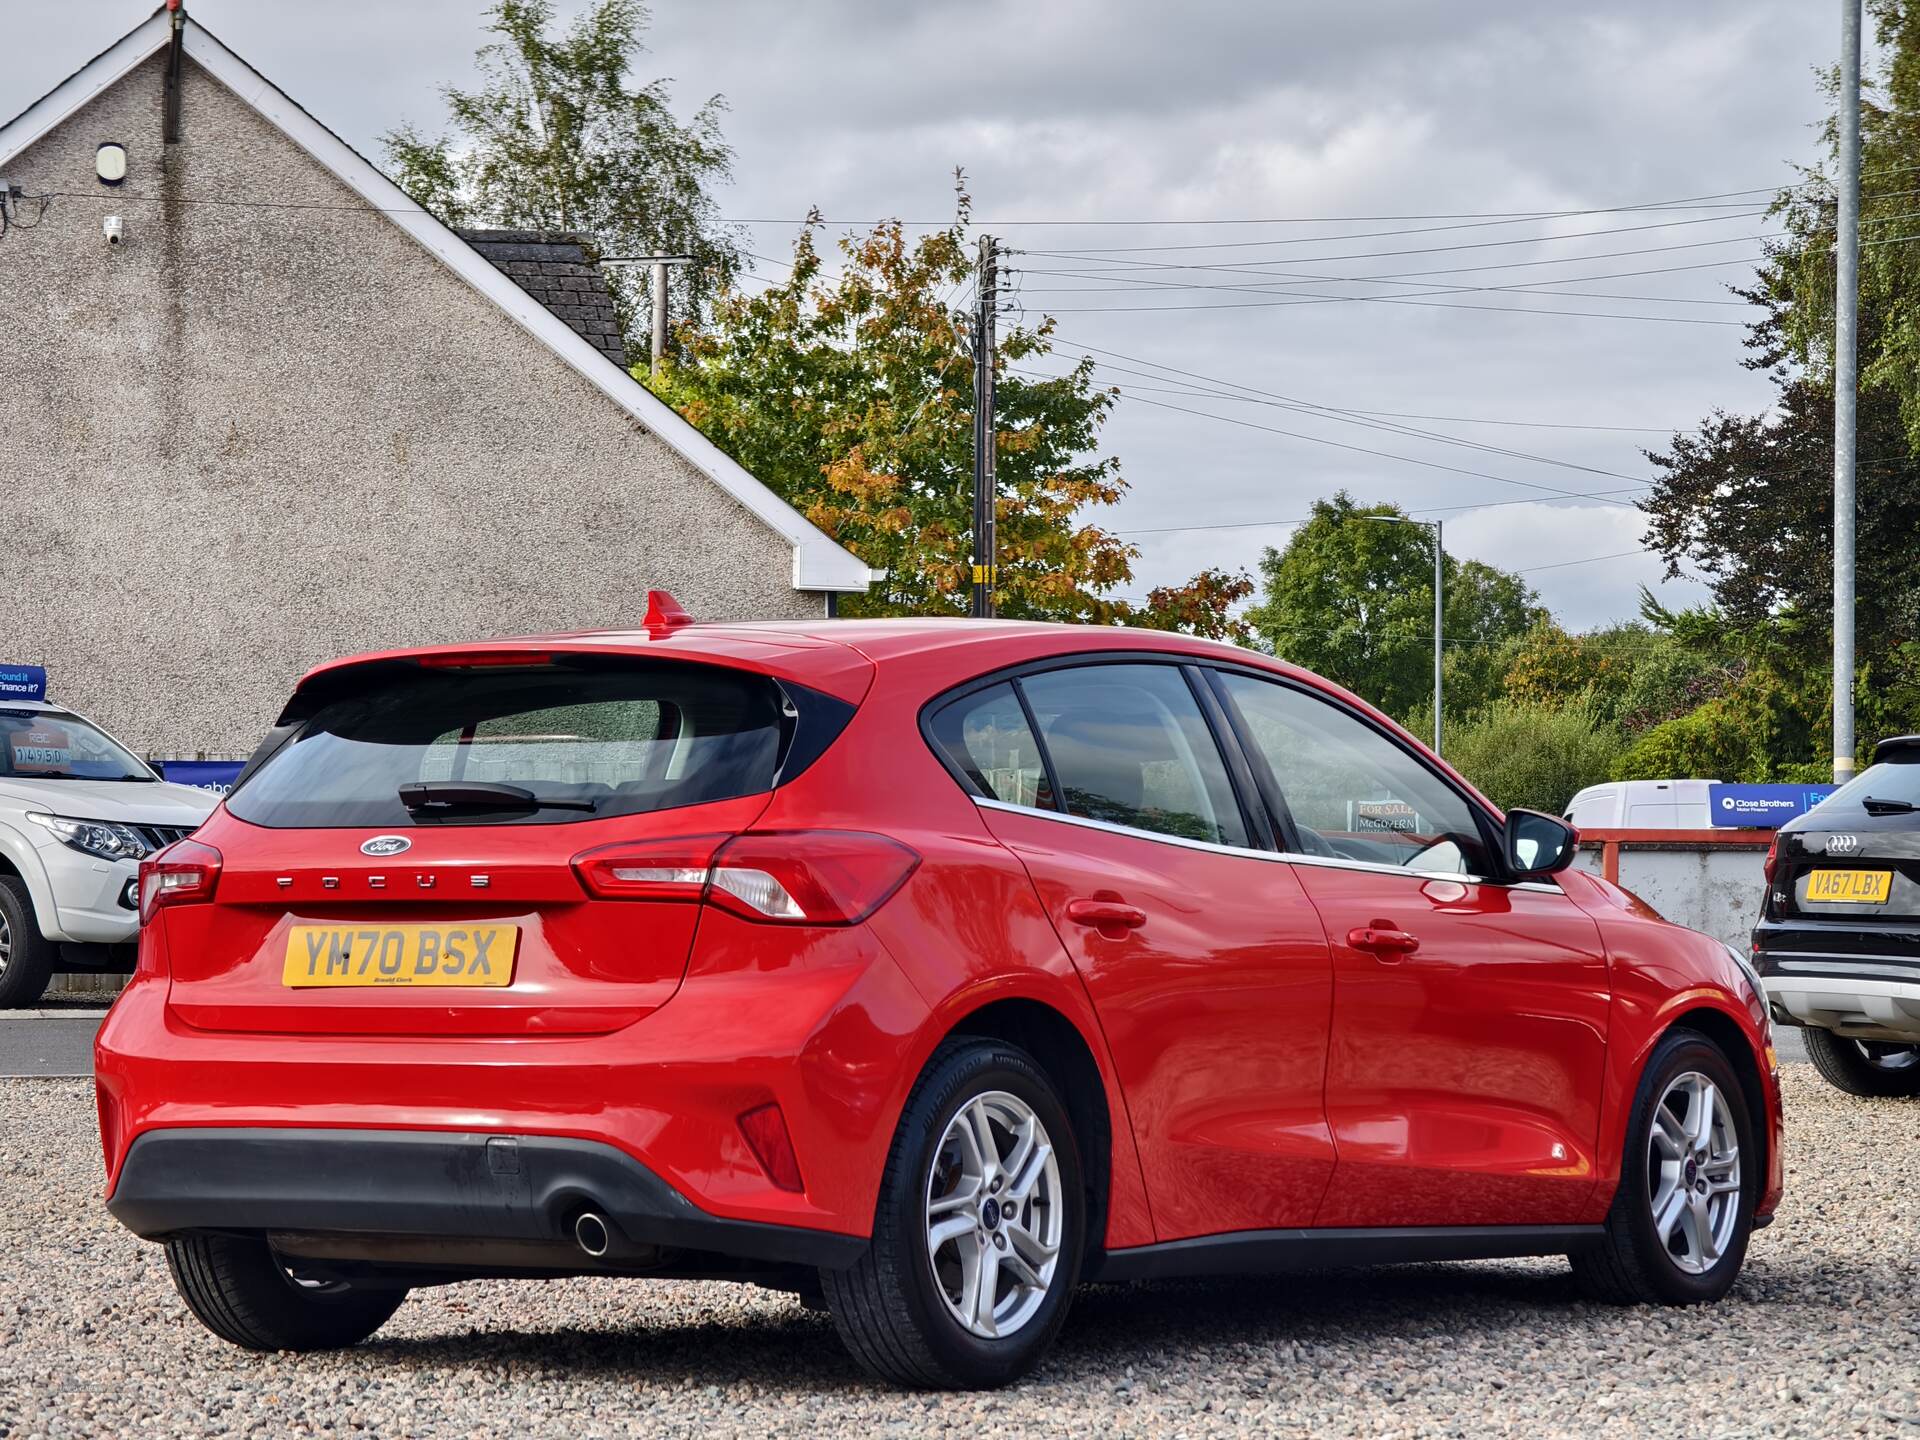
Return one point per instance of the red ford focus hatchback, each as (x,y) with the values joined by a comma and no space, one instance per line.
(925,969)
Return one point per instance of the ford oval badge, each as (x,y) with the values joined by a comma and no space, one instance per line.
(385,845)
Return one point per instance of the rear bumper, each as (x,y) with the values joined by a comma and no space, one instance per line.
(437,1186)
(1850,978)
(832,1038)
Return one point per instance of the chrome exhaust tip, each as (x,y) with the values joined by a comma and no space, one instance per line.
(591,1235)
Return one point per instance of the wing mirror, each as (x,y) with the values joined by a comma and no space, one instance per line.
(1538,844)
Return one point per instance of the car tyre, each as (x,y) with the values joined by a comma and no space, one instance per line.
(1651,1253)
(1886,1070)
(896,1308)
(239,1289)
(26,956)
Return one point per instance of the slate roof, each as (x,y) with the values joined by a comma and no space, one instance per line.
(556,269)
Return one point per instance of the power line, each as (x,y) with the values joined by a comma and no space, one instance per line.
(1395,300)
(1303,520)
(1591,559)
(1325,412)
(1133,286)
(1739,214)
(1084,254)
(1338,412)
(1263,268)
(1380,454)
(1682,202)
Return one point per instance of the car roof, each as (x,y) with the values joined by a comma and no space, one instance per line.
(839,656)
(45,706)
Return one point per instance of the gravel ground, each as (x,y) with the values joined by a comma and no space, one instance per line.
(1821,1336)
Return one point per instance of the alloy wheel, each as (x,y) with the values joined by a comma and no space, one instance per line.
(1693,1173)
(6,942)
(994,1215)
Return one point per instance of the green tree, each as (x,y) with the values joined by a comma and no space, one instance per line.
(1549,667)
(1747,500)
(1537,756)
(1352,599)
(556,138)
(850,393)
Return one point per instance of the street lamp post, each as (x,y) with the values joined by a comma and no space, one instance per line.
(1439,608)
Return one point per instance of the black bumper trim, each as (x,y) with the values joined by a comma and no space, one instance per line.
(429,1183)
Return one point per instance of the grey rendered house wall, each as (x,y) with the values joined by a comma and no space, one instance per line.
(269,428)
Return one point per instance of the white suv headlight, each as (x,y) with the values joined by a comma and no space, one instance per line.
(102,839)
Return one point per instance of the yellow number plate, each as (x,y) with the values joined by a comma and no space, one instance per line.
(1849,887)
(327,955)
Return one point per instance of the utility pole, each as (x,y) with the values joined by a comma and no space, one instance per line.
(1845,387)
(986,302)
(659,264)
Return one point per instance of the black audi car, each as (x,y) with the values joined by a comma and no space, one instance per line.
(1838,943)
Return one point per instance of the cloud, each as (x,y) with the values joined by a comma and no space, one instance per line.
(1083,110)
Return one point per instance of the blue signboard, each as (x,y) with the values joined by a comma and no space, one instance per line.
(216,776)
(1764,807)
(23,682)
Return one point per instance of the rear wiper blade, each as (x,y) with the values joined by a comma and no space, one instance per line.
(428,796)
(1875,806)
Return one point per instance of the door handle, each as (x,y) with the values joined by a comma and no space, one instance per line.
(1383,940)
(1106,914)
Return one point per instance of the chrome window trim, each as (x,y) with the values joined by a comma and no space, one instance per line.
(1281,857)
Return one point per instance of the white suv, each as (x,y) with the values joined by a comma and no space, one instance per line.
(78,811)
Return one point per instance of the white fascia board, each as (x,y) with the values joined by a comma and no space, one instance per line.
(819,563)
(107,68)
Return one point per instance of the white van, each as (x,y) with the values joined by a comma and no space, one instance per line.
(1643,805)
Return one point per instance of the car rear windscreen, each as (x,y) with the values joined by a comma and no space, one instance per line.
(539,745)
(1890,783)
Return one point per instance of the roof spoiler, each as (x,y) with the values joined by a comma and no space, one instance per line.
(1898,750)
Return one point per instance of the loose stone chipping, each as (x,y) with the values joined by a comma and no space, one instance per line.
(1821,1337)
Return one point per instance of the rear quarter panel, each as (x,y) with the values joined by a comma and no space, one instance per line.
(967,929)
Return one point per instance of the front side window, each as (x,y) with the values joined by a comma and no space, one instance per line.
(985,736)
(58,745)
(1353,793)
(1129,746)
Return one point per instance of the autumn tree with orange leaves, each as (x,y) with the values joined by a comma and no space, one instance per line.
(849,391)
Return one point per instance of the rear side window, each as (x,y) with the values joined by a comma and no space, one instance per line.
(541,745)
(1130,747)
(986,737)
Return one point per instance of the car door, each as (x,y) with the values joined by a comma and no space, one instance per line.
(1205,961)
(1469,1015)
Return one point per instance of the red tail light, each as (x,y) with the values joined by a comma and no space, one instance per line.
(809,877)
(793,877)
(1773,859)
(184,873)
(649,869)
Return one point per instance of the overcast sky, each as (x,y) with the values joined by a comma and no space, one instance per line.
(1068,112)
